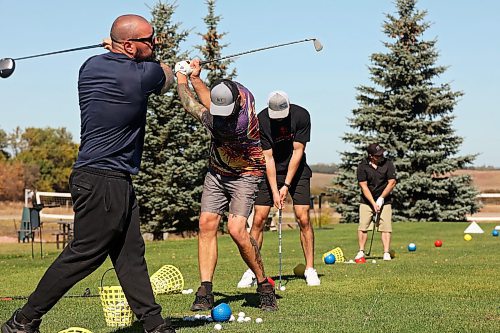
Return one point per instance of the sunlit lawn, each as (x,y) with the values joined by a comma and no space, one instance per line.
(455,288)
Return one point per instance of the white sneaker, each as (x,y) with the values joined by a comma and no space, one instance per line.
(387,256)
(247,280)
(361,254)
(311,276)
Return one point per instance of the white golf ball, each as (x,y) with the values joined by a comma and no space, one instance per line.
(241,314)
(247,319)
(240,319)
(197,316)
(189,291)
(218,327)
(258,320)
(374,261)
(282,288)
(232,318)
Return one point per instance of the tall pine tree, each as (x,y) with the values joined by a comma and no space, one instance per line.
(212,48)
(410,115)
(176,146)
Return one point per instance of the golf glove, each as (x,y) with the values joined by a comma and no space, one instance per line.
(183,67)
(380,201)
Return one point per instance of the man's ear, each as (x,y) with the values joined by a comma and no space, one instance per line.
(130,48)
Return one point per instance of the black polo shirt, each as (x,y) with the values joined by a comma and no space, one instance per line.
(377,179)
(279,135)
(113,92)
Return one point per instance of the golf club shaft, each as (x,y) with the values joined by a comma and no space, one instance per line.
(373,233)
(280,218)
(63,51)
(255,50)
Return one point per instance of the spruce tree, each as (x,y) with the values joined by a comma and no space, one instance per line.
(175,153)
(410,115)
(212,48)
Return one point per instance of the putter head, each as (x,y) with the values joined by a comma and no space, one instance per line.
(317,45)
(7,66)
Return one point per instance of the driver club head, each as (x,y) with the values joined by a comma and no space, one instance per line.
(7,66)
(317,45)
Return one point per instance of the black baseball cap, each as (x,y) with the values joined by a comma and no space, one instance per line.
(375,149)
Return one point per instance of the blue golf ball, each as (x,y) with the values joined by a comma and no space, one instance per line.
(495,233)
(330,259)
(412,247)
(221,312)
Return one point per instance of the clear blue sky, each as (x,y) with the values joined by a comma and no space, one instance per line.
(42,92)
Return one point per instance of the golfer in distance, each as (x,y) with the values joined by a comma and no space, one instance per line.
(376,178)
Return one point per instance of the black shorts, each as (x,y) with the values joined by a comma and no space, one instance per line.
(300,190)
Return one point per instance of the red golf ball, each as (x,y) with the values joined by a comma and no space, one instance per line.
(438,243)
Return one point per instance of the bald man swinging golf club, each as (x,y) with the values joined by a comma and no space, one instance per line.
(236,167)
(113,91)
(285,130)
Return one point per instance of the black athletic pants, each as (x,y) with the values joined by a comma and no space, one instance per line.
(106,223)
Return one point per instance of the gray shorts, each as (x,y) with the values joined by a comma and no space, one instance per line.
(223,192)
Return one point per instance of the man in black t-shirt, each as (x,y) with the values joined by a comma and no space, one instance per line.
(284,132)
(113,91)
(377,178)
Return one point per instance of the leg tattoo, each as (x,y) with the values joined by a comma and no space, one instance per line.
(258,257)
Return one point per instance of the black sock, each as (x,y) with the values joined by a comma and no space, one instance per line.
(208,286)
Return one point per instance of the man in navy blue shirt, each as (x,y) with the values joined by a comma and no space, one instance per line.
(113,92)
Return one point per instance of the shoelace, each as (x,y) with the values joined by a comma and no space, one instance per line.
(267,299)
(202,299)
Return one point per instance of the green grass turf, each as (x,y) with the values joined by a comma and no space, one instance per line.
(455,288)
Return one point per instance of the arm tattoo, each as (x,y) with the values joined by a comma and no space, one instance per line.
(258,257)
(188,101)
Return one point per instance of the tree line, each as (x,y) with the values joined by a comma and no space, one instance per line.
(405,111)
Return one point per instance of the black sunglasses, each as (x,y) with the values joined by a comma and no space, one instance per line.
(150,39)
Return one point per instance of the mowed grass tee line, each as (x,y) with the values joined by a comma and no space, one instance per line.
(455,288)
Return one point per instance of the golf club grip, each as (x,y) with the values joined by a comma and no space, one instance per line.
(62,51)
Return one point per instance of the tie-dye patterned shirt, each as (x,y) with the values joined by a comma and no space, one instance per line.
(235,148)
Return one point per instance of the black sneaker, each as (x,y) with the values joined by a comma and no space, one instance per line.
(13,326)
(203,301)
(267,297)
(166,327)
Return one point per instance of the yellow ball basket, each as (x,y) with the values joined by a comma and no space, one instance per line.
(337,252)
(75,330)
(167,280)
(117,312)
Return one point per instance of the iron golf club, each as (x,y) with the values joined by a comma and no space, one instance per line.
(317,46)
(8,65)
(280,218)
(375,225)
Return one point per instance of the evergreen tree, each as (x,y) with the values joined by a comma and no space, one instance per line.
(175,153)
(212,48)
(410,115)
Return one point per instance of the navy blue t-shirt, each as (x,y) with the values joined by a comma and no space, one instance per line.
(113,91)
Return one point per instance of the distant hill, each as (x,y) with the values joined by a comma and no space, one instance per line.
(485,180)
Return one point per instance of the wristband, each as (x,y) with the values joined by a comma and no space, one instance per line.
(287,185)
